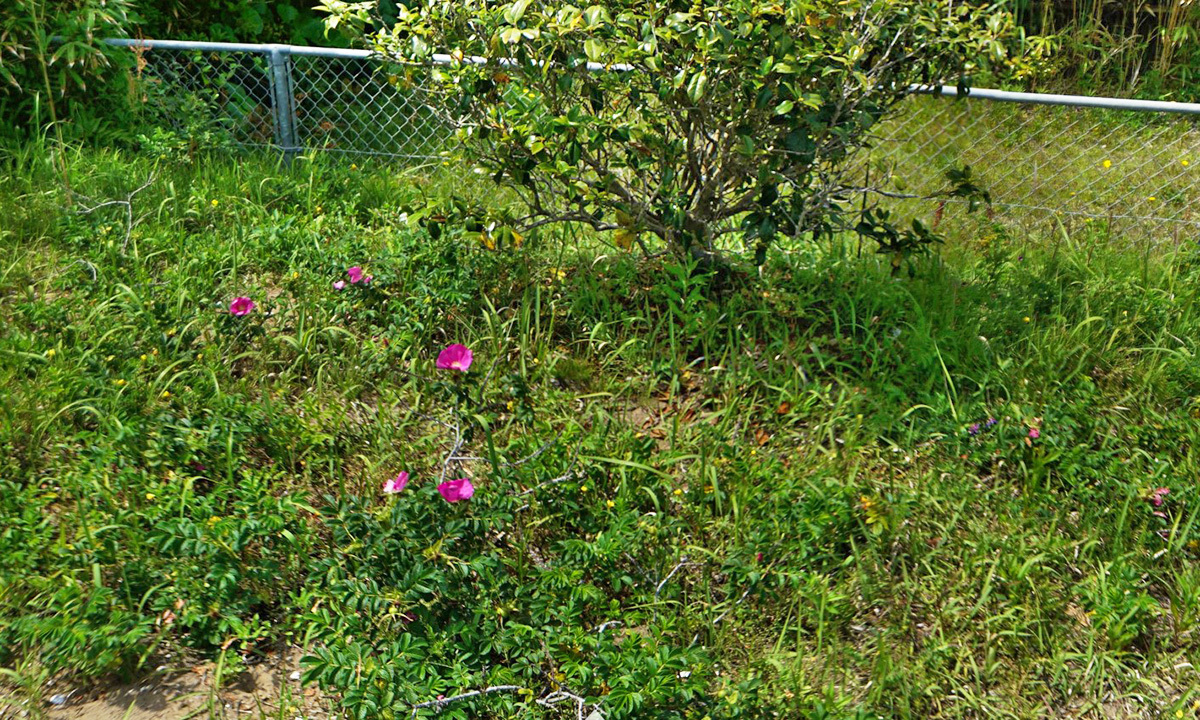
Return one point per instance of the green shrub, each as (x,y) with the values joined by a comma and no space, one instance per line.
(54,69)
(706,119)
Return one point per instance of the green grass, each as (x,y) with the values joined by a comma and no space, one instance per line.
(776,489)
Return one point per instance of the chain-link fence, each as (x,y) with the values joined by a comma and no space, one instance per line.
(289,98)
(1049,162)
(1129,172)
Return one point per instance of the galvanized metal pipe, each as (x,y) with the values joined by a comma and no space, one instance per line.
(281,95)
(307,51)
(1078,101)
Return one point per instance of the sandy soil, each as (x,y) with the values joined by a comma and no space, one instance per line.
(267,689)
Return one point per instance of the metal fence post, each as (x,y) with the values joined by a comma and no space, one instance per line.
(284,114)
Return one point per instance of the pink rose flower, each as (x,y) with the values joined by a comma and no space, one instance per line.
(396,484)
(455,357)
(241,306)
(455,490)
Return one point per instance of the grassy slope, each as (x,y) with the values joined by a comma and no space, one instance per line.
(805,444)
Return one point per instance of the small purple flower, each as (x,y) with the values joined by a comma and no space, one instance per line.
(1034,433)
(1156,497)
(355,274)
(338,285)
(990,422)
(974,429)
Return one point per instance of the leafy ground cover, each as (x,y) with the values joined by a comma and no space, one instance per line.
(825,493)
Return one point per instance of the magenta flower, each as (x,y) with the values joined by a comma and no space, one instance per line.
(356,274)
(339,284)
(455,357)
(367,279)
(1034,433)
(396,484)
(1157,496)
(241,306)
(455,490)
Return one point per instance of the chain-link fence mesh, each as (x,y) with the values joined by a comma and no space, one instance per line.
(367,107)
(209,98)
(1047,168)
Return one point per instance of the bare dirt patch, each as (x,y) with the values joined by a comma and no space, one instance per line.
(266,689)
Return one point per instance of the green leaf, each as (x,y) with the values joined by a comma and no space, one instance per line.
(593,49)
(516,11)
(596,15)
(696,87)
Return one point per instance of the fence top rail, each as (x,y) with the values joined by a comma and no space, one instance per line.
(1077,101)
(306,51)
